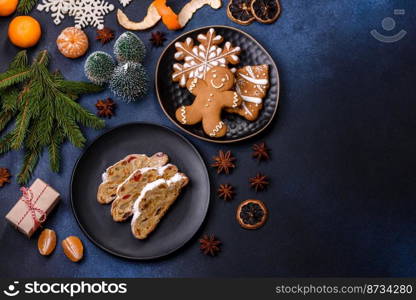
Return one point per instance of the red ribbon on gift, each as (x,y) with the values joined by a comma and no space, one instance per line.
(27,198)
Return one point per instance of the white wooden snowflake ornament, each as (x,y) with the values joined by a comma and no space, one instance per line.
(85,12)
(124,2)
(57,8)
(90,12)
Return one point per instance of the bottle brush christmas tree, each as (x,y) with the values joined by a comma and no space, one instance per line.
(129,79)
(128,47)
(99,67)
(44,107)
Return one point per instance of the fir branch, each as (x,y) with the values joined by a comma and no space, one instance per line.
(25,6)
(12,77)
(53,150)
(77,88)
(81,115)
(44,109)
(5,118)
(5,143)
(9,99)
(20,61)
(45,124)
(32,140)
(72,131)
(30,161)
(42,59)
(22,124)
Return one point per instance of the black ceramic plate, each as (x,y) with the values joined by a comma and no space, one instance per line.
(181,221)
(171,95)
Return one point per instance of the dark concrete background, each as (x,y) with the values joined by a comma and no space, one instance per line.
(342,197)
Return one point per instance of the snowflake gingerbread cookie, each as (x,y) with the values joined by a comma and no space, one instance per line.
(252,85)
(213,94)
(199,59)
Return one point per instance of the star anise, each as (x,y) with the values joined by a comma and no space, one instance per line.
(260,151)
(157,39)
(223,162)
(104,35)
(259,182)
(209,245)
(226,192)
(105,108)
(4,176)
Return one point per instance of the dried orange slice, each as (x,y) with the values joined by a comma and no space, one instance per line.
(265,11)
(251,214)
(149,20)
(239,11)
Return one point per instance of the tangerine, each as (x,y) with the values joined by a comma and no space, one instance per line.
(24,31)
(7,7)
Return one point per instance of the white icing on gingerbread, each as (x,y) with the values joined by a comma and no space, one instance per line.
(217,129)
(254,80)
(246,110)
(183,114)
(223,80)
(235,100)
(216,86)
(251,99)
(193,84)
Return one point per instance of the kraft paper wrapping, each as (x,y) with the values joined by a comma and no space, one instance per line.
(43,199)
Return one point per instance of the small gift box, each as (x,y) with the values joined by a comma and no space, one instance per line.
(33,207)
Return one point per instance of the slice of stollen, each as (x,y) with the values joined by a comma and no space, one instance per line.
(117,173)
(153,202)
(130,189)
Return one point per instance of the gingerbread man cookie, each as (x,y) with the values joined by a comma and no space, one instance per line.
(252,85)
(212,95)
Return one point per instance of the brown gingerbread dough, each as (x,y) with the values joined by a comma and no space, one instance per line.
(212,95)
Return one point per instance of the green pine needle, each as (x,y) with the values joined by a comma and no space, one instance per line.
(5,143)
(44,109)
(78,88)
(20,61)
(5,118)
(29,163)
(53,149)
(25,6)
(13,76)
(9,100)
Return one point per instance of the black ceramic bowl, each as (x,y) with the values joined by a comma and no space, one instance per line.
(171,95)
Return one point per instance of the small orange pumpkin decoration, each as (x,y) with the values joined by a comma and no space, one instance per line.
(72,42)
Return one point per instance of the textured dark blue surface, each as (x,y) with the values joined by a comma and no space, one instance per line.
(342,198)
